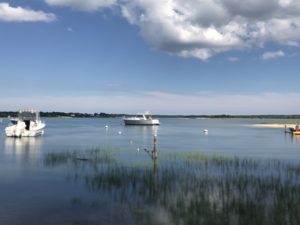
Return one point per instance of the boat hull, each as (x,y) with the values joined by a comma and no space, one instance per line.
(20,131)
(153,122)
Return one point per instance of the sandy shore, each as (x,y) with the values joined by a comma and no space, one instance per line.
(274,125)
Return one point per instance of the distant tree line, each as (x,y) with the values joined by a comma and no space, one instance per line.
(65,114)
(79,115)
(4,114)
(224,116)
(8,113)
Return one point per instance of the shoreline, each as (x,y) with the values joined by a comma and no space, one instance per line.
(274,125)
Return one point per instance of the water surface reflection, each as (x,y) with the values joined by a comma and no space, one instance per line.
(185,189)
(23,149)
(168,182)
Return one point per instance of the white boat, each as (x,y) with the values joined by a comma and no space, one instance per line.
(27,124)
(141,119)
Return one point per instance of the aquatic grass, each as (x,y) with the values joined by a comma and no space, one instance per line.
(193,188)
(92,156)
(97,155)
(55,159)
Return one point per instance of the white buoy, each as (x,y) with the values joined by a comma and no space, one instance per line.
(106,126)
(120,132)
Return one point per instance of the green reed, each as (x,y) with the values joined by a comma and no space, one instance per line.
(193,188)
(91,156)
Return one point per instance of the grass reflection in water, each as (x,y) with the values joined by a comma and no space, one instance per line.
(189,188)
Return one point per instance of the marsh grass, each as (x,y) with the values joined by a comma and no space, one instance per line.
(193,188)
(92,156)
(55,159)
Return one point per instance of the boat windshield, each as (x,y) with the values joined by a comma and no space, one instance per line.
(144,116)
(14,122)
(28,115)
(148,117)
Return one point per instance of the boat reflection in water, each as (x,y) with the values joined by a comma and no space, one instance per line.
(291,138)
(141,136)
(23,149)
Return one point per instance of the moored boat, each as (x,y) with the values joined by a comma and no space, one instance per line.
(141,119)
(27,124)
(295,130)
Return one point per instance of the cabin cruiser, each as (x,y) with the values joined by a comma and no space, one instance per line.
(27,124)
(141,119)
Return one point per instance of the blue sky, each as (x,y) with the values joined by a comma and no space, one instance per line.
(169,57)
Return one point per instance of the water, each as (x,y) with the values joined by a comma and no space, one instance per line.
(39,185)
(226,137)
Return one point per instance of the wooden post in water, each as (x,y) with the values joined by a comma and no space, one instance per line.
(154,156)
(285,128)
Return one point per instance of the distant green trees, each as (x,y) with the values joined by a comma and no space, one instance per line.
(4,114)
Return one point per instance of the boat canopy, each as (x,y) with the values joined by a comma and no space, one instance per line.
(28,115)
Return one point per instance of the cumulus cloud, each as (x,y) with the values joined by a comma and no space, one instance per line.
(162,102)
(204,28)
(19,14)
(83,5)
(272,55)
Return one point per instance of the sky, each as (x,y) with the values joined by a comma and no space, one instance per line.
(167,56)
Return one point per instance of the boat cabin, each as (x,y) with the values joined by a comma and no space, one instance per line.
(144,116)
(27,116)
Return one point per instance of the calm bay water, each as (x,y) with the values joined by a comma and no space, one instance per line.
(40,185)
(229,137)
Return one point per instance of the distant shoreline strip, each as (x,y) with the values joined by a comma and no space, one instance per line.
(273,125)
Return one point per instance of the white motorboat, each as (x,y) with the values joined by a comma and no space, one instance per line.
(141,119)
(27,124)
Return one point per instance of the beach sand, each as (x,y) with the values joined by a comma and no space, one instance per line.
(274,125)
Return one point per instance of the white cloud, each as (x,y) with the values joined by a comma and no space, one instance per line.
(83,5)
(204,28)
(19,14)
(272,55)
(164,103)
